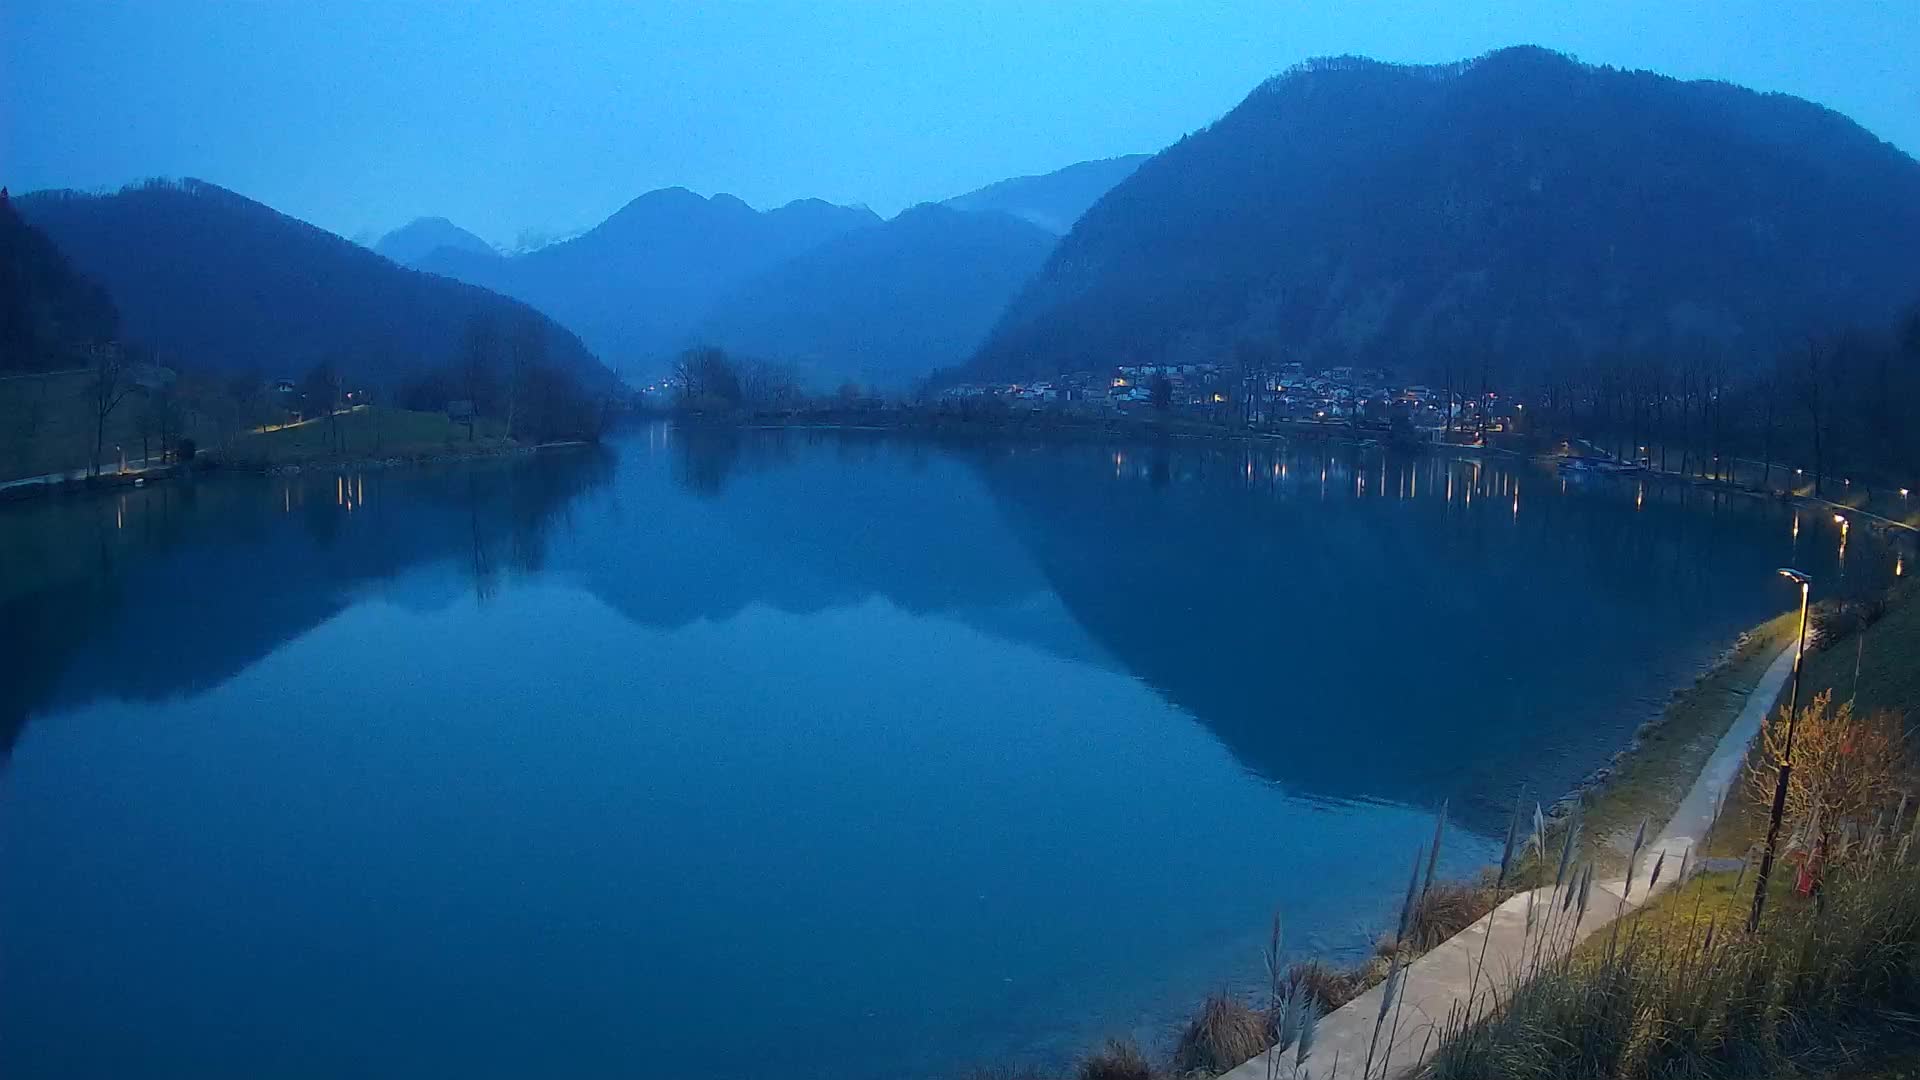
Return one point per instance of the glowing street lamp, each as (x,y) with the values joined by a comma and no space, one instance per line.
(1786,757)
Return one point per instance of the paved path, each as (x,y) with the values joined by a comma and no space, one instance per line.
(1439,981)
(134,467)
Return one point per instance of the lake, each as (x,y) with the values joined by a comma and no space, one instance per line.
(821,754)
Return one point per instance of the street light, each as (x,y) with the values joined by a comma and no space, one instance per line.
(1786,756)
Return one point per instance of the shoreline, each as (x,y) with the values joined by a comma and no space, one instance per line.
(395,461)
(1650,775)
(33,488)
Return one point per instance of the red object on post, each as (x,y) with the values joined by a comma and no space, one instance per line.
(1809,877)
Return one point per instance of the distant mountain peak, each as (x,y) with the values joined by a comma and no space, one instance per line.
(1521,208)
(633,284)
(409,244)
(883,306)
(1055,200)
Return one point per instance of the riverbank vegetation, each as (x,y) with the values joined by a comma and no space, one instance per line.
(127,411)
(1828,989)
(1829,983)
(1680,989)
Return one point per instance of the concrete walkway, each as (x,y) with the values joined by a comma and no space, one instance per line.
(133,467)
(1440,981)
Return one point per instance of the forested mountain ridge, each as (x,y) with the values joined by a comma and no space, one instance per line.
(49,313)
(227,285)
(1520,208)
(634,285)
(883,306)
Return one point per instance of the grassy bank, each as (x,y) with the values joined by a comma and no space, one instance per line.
(1877,668)
(1648,782)
(1829,985)
(47,425)
(1826,987)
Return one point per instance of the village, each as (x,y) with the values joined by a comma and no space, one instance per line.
(1344,395)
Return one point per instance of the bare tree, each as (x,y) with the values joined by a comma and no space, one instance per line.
(1810,387)
(322,389)
(479,347)
(526,350)
(107,387)
(707,377)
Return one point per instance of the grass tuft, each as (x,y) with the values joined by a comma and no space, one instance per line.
(1226,1033)
(1330,987)
(1118,1060)
(1446,909)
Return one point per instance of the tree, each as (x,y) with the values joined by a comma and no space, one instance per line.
(526,350)
(159,420)
(1845,767)
(479,349)
(322,390)
(1810,379)
(1162,391)
(766,385)
(707,379)
(1768,389)
(107,386)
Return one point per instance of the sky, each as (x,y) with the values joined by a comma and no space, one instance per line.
(520,120)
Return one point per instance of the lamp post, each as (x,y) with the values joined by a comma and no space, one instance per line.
(1786,757)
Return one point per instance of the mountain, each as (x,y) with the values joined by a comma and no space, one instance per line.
(48,312)
(886,305)
(635,285)
(227,284)
(1520,207)
(418,238)
(1055,200)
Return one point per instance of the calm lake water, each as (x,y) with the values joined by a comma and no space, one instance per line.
(806,753)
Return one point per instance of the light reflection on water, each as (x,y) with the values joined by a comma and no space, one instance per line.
(938,753)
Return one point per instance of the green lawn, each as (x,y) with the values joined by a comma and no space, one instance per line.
(368,432)
(46,425)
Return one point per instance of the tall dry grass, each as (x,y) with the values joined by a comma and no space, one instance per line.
(1712,1001)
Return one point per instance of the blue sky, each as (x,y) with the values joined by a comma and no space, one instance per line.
(521,117)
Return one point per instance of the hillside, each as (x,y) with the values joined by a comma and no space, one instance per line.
(1055,200)
(1521,207)
(48,312)
(634,285)
(221,283)
(417,239)
(887,305)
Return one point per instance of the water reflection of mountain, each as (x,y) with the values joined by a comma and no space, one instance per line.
(1401,629)
(1351,624)
(706,522)
(174,588)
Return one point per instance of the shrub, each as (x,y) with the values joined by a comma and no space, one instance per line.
(1845,768)
(1331,987)
(1445,909)
(1833,620)
(1118,1060)
(1225,1034)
